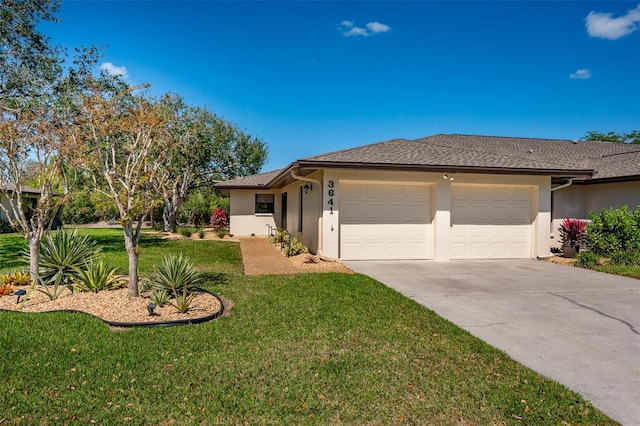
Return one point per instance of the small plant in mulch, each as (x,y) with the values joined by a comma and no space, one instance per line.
(177,276)
(185,232)
(310,259)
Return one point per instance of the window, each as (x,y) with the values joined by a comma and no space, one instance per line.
(264,203)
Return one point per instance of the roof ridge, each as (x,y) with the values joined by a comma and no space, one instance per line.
(621,153)
(509,137)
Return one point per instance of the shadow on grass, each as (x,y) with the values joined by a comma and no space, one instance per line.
(215,279)
(11,250)
(114,242)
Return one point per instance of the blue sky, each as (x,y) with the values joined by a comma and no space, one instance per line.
(312,77)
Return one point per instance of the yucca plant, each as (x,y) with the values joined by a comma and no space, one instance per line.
(63,253)
(177,276)
(97,276)
(160,297)
(53,289)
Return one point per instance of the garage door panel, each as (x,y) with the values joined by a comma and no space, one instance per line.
(392,221)
(491,222)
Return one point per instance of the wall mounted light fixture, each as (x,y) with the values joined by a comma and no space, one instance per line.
(307,187)
(448,176)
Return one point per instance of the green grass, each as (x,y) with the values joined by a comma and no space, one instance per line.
(632,271)
(304,349)
(152,249)
(11,248)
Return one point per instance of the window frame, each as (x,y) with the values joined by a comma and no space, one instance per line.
(269,206)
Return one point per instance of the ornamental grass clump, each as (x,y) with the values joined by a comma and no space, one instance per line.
(177,276)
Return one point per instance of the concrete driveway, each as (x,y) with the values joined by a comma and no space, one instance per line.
(578,327)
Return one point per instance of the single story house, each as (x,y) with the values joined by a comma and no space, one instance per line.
(29,200)
(440,197)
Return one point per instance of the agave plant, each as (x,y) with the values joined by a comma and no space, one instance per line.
(97,276)
(177,276)
(63,253)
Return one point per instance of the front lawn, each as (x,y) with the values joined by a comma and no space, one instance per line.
(631,271)
(301,349)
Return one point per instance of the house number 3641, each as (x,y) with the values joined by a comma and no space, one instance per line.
(330,192)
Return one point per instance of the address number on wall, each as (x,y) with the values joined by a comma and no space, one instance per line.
(330,192)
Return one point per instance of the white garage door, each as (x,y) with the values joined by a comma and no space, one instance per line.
(491,222)
(385,221)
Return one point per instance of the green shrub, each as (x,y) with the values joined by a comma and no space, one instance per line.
(201,234)
(281,236)
(160,297)
(587,259)
(294,247)
(185,232)
(80,209)
(614,231)
(177,276)
(221,233)
(63,253)
(625,258)
(97,276)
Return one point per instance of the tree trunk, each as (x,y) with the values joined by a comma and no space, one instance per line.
(34,257)
(131,244)
(170,217)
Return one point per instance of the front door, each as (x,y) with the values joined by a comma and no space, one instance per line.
(283,224)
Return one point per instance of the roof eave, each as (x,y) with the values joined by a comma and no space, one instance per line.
(449,169)
(612,179)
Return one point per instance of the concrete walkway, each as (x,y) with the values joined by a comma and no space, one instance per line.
(261,258)
(578,327)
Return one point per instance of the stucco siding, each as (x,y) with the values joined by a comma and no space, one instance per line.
(577,201)
(613,195)
(537,186)
(243,220)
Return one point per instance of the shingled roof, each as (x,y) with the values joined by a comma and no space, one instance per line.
(250,182)
(591,161)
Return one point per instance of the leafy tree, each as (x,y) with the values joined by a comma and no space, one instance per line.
(35,114)
(631,137)
(120,128)
(201,147)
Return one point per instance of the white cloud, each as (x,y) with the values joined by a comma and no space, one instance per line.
(603,25)
(377,27)
(349,29)
(356,31)
(113,70)
(582,74)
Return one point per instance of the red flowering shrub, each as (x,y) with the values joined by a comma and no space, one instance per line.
(219,219)
(572,231)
